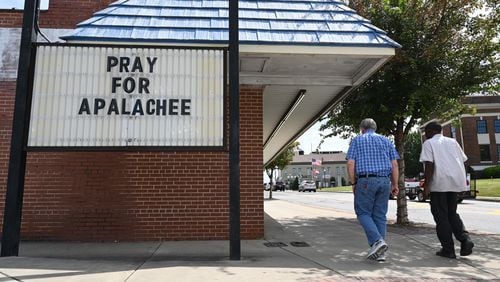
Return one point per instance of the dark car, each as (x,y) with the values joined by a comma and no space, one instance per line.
(279,186)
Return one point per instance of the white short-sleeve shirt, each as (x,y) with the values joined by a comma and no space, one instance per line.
(448,158)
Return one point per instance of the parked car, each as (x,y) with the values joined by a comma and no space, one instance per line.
(307,185)
(279,186)
(418,192)
(412,187)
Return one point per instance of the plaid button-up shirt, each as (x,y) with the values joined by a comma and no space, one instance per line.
(372,154)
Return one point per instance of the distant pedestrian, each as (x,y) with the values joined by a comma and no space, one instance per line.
(372,167)
(445,177)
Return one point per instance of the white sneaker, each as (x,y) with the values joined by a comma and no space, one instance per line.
(378,248)
(381,258)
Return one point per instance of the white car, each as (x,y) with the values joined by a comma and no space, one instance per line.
(307,185)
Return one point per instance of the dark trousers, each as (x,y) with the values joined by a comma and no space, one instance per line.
(448,222)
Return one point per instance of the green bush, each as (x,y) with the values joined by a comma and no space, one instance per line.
(492,172)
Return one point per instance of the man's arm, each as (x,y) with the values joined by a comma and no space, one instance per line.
(429,173)
(351,173)
(394,177)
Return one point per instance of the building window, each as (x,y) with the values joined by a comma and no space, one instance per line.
(19,5)
(498,152)
(484,153)
(496,123)
(453,132)
(482,127)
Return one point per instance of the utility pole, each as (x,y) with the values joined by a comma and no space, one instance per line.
(234,133)
(11,231)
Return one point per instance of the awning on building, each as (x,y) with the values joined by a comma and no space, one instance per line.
(308,54)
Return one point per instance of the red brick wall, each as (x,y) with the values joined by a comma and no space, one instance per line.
(7,90)
(252,159)
(89,196)
(61,13)
(108,196)
(469,126)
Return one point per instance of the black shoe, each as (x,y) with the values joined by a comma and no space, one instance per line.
(466,248)
(446,254)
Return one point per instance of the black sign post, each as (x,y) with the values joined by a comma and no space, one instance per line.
(17,163)
(234,133)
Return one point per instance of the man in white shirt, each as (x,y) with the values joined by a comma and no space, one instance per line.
(444,178)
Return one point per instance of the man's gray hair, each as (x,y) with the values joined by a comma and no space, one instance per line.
(368,123)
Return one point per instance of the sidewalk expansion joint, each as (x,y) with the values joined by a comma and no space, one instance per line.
(144,262)
(311,260)
(9,277)
(275,244)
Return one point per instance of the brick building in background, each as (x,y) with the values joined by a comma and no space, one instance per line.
(478,134)
(292,72)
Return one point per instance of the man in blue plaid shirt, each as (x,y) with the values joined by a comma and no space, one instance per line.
(372,167)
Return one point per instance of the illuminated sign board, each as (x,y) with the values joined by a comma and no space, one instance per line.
(97,96)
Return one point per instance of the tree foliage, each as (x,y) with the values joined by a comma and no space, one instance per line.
(413,146)
(280,162)
(449,49)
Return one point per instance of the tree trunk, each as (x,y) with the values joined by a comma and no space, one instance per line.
(402,210)
(270,183)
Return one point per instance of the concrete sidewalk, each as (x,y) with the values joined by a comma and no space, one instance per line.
(334,250)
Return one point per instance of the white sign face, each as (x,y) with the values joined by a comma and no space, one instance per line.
(86,96)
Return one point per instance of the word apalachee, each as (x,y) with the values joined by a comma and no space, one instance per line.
(130,81)
(159,107)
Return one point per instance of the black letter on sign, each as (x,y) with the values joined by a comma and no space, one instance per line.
(84,107)
(172,109)
(137,66)
(161,107)
(115,82)
(124,107)
(143,85)
(124,62)
(151,63)
(150,107)
(138,108)
(113,107)
(186,107)
(98,105)
(112,62)
(129,85)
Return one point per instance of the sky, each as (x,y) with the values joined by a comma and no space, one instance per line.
(19,4)
(310,140)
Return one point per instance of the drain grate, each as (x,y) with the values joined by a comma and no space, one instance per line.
(275,244)
(299,244)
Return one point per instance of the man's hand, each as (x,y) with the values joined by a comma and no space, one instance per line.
(394,189)
(427,191)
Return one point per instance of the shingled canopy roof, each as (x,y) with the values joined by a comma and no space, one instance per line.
(320,46)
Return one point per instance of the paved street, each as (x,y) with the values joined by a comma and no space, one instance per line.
(478,216)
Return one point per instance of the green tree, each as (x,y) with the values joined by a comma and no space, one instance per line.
(449,49)
(280,162)
(413,146)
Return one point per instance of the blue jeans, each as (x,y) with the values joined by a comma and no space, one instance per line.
(370,203)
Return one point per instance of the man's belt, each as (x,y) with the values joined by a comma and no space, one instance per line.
(365,175)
